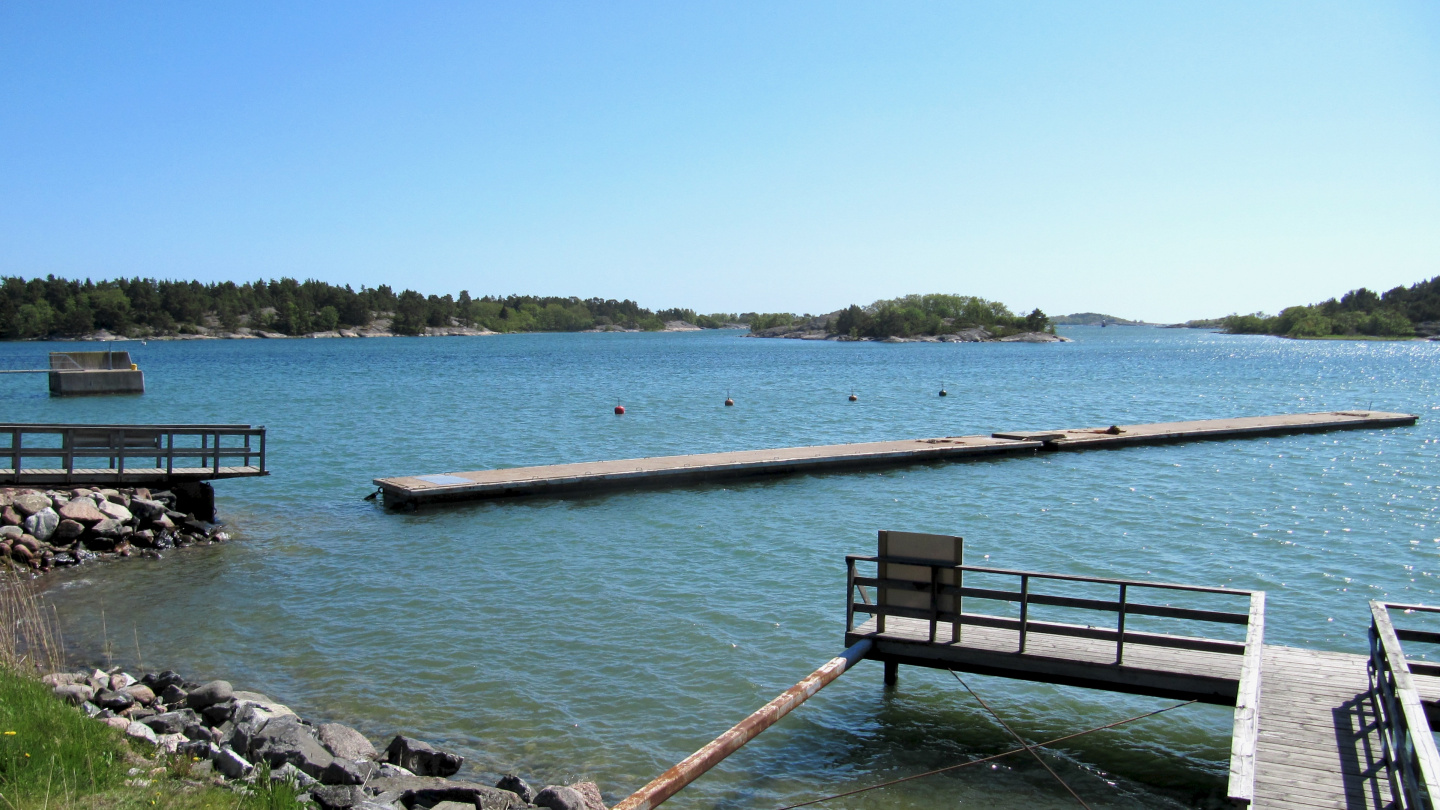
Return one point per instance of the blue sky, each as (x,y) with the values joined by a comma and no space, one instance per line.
(1151,160)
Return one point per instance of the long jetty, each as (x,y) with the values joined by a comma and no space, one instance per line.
(663,471)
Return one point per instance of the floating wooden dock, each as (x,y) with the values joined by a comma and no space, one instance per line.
(594,476)
(129,454)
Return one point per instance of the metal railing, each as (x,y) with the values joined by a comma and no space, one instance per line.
(1410,754)
(197,449)
(1031,591)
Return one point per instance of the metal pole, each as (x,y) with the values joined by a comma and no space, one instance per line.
(694,766)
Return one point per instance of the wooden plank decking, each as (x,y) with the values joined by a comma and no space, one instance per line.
(593,476)
(1317,746)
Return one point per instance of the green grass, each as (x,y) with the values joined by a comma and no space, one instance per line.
(53,756)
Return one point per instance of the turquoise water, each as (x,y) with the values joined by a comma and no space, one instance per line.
(607,637)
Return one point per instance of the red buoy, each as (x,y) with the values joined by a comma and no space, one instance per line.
(729,402)
(619,409)
(853,397)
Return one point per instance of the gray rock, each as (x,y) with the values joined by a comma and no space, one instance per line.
(421,758)
(42,524)
(11,532)
(218,713)
(559,797)
(173,722)
(28,505)
(293,775)
(146,509)
(114,701)
(74,693)
(90,709)
(453,806)
(426,791)
(338,797)
(514,784)
(209,694)
(198,749)
(112,721)
(170,743)
(286,739)
(388,771)
(590,792)
(344,742)
(163,680)
(141,731)
(172,695)
(231,764)
(348,772)
(141,693)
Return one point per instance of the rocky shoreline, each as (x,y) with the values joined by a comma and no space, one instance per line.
(44,529)
(235,737)
(379,328)
(978,334)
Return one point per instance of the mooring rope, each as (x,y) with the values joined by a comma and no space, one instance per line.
(982,760)
(1021,740)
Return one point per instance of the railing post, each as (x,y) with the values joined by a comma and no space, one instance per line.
(849,595)
(1024,608)
(1120,629)
(934,600)
(217,452)
(15,452)
(67,440)
(169,452)
(120,440)
(262,448)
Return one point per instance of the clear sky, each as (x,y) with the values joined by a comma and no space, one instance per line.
(1149,160)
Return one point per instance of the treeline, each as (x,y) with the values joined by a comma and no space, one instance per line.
(917,315)
(57,307)
(1395,313)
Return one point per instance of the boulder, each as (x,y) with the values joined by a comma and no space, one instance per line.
(286,739)
(293,775)
(219,713)
(30,503)
(342,771)
(453,806)
(172,695)
(197,749)
(67,530)
(115,511)
(120,680)
(209,694)
(10,517)
(74,693)
(141,693)
(114,701)
(514,784)
(170,743)
(429,791)
(62,678)
(121,723)
(109,527)
(345,742)
(159,682)
(11,532)
(590,792)
(82,510)
(146,509)
(172,722)
(142,732)
(421,758)
(231,764)
(42,524)
(559,797)
(338,797)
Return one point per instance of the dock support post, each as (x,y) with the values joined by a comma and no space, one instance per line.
(892,674)
(694,766)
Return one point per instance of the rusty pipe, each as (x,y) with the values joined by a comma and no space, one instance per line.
(694,766)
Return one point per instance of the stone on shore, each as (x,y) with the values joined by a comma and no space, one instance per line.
(141,731)
(421,758)
(115,511)
(11,532)
(345,742)
(172,722)
(172,695)
(42,524)
(109,527)
(68,530)
(30,503)
(231,764)
(10,517)
(429,791)
(82,510)
(342,771)
(74,693)
(514,784)
(559,797)
(591,793)
(121,723)
(209,694)
(286,739)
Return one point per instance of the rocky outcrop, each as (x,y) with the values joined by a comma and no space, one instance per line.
(42,530)
(237,735)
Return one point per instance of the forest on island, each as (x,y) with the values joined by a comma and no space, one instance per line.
(57,307)
(913,316)
(1400,312)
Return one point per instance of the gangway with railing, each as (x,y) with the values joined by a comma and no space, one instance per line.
(129,454)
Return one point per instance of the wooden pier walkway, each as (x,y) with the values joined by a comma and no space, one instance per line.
(1309,726)
(559,479)
(47,454)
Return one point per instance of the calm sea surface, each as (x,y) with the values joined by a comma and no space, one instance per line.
(606,637)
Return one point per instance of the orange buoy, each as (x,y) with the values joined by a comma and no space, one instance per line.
(729,402)
(619,409)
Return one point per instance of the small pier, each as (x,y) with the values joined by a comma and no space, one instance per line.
(663,471)
(129,454)
(1311,729)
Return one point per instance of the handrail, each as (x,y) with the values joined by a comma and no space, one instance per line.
(119,444)
(1410,754)
(1245,735)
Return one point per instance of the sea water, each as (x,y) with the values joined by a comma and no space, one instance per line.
(606,637)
